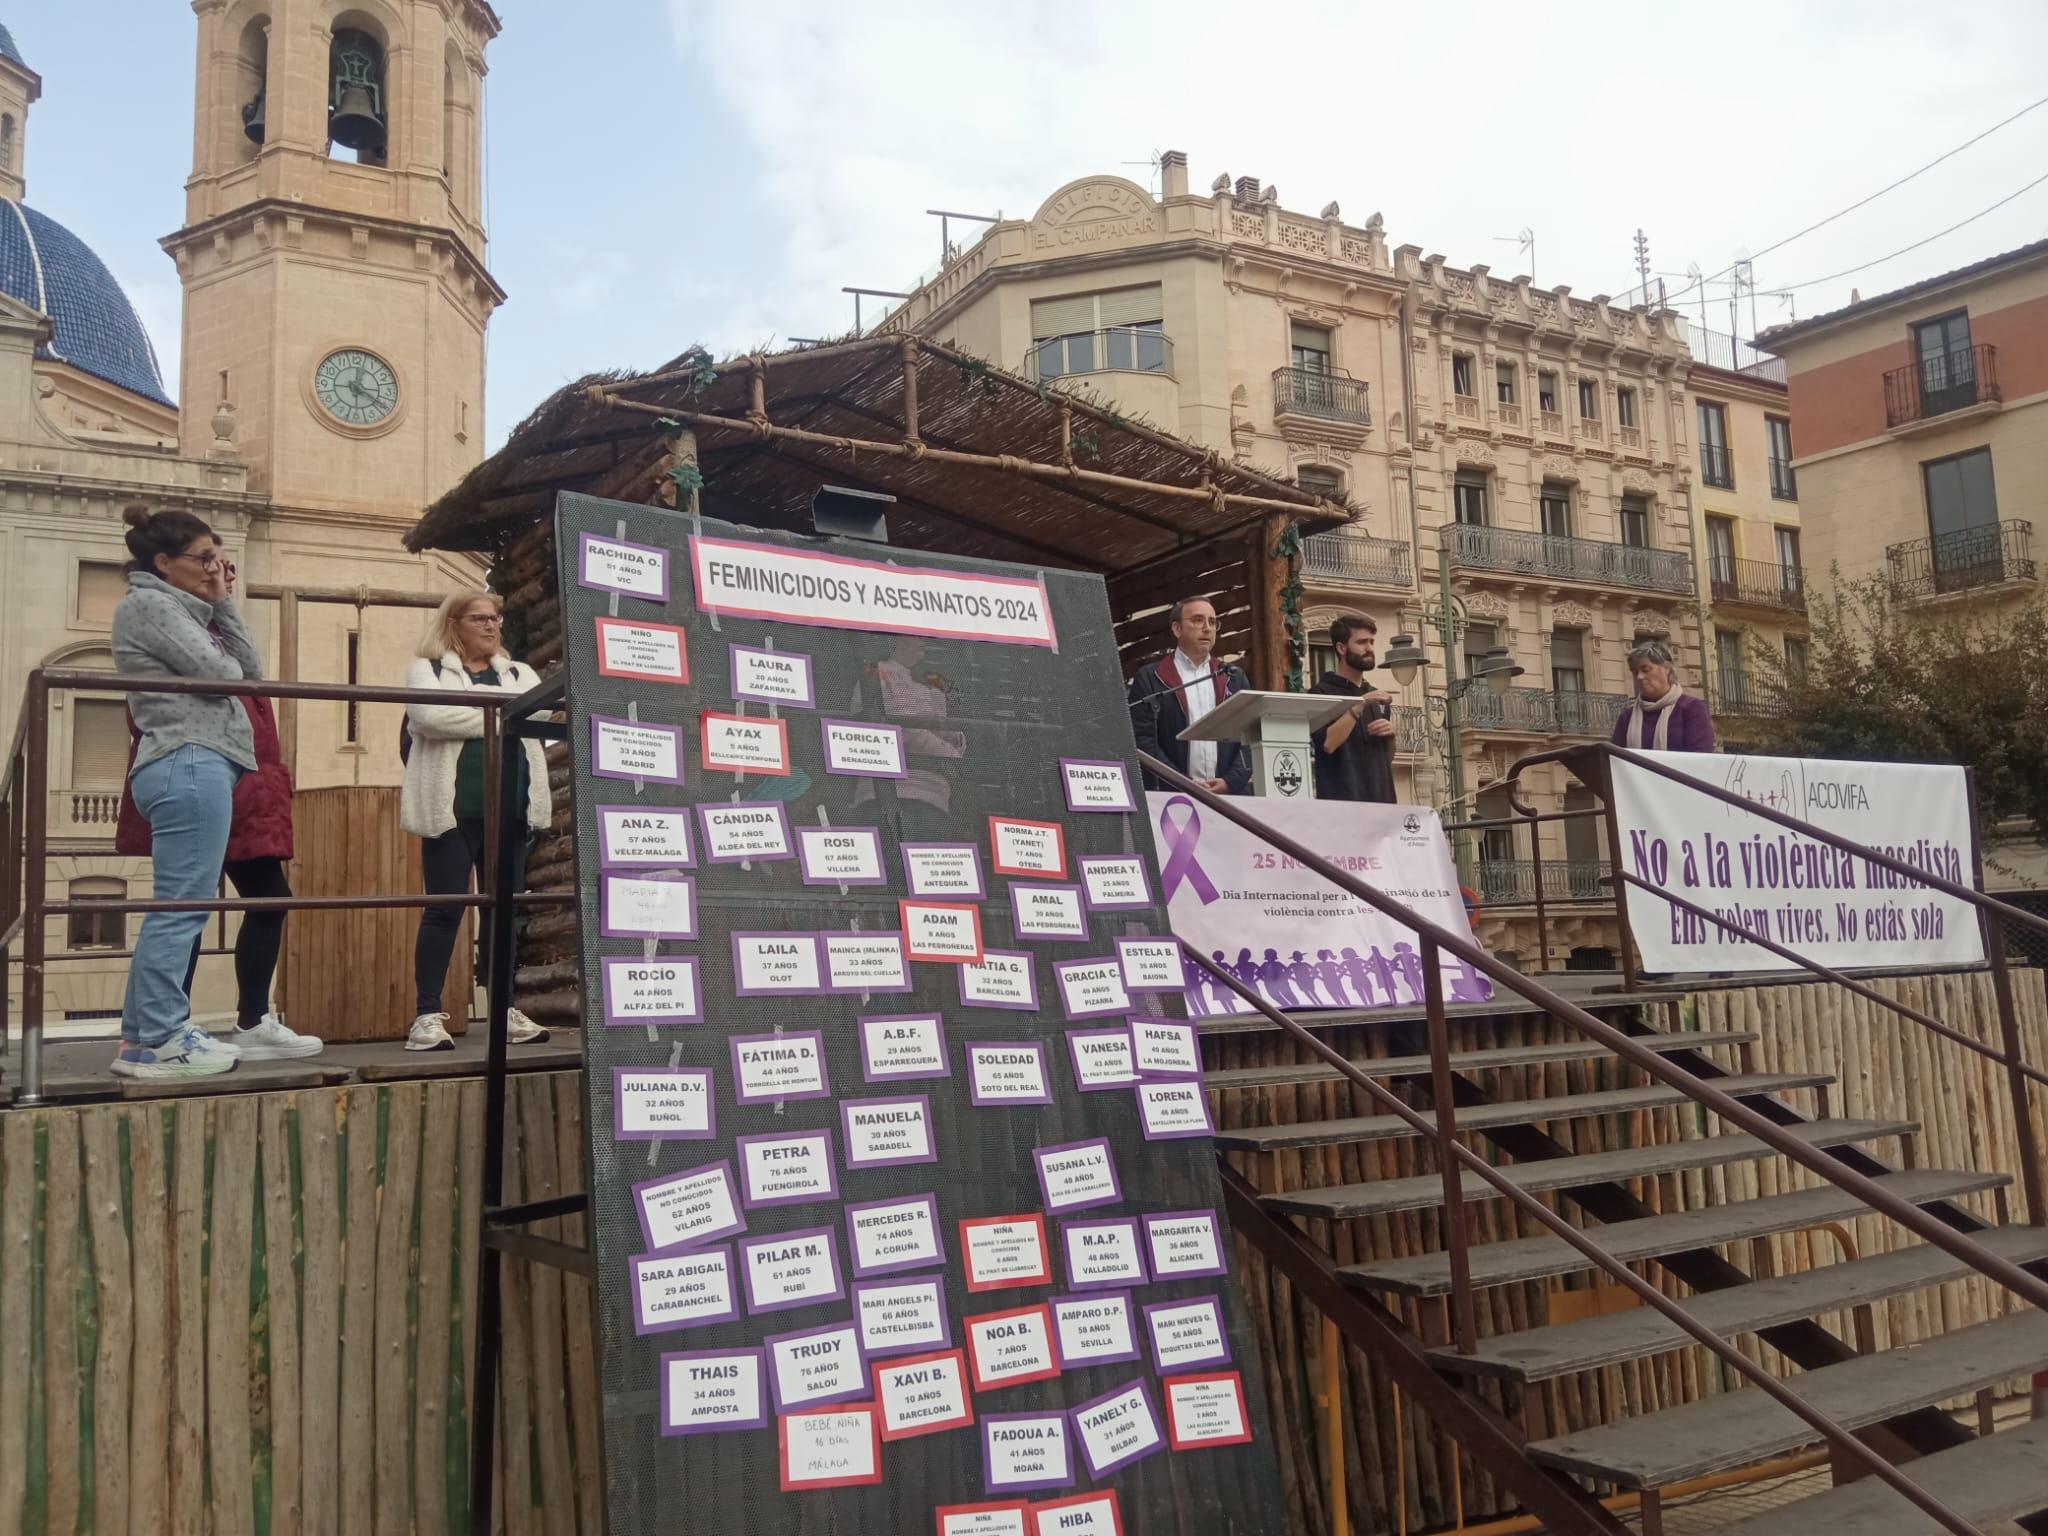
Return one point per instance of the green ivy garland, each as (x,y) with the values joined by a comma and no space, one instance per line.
(1288,547)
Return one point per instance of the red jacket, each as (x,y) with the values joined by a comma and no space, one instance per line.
(262,826)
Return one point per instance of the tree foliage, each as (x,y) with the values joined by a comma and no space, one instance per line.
(1889,682)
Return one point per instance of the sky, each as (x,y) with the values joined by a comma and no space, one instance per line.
(669,172)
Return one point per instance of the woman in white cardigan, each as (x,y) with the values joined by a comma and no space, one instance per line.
(443,798)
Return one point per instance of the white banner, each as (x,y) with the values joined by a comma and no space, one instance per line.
(1286,931)
(1797,891)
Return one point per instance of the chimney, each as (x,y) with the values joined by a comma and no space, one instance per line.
(1248,189)
(1173,174)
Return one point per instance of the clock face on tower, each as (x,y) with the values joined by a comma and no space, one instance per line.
(356,387)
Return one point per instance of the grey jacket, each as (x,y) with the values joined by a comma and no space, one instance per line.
(160,631)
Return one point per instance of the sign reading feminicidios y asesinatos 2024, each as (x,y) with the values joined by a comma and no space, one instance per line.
(890,1080)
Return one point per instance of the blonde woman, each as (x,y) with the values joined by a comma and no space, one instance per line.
(443,799)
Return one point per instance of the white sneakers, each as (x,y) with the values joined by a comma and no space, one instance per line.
(429,1031)
(192,1052)
(270,1040)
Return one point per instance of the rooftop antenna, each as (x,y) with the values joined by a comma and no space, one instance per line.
(875,293)
(1643,262)
(1523,239)
(1152,176)
(945,216)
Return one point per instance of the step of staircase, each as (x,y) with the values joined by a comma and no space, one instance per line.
(1694,1439)
(1382,1196)
(1998,1477)
(1467,1061)
(1540,1354)
(1536,1258)
(1476,1117)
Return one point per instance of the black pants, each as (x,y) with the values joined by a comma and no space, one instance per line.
(257,942)
(446,864)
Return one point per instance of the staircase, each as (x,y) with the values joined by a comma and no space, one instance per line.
(1300,1185)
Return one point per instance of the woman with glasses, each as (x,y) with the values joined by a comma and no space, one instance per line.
(443,798)
(178,620)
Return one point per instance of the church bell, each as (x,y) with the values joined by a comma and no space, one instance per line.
(252,119)
(356,99)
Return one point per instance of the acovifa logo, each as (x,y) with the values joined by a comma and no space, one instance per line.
(1287,774)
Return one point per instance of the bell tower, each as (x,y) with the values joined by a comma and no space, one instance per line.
(333,252)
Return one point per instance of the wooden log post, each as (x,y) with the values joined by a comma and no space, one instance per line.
(1271,645)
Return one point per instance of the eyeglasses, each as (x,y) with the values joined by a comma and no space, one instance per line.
(207,562)
(484,619)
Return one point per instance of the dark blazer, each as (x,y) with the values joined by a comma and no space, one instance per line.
(1159,713)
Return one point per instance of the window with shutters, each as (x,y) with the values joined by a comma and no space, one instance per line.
(1716,467)
(1568,660)
(1504,383)
(1624,406)
(99,743)
(1468,497)
(97,930)
(1090,332)
(1635,522)
(1557,510)
(1461,375)
(1795,658)
(1309,347)
(1546,390)
(101,585)
(1589,399)
(1324,482)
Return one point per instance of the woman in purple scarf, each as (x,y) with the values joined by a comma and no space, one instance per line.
(1662,717)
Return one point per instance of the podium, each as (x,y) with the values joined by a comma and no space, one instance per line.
(1276,727)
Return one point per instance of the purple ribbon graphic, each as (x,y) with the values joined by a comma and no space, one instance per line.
(1181,864)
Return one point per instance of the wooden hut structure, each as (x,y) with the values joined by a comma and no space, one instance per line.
(980,462)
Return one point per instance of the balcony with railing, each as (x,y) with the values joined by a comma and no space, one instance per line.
(1740,696)
(1784,484)
(1717,465)
(1940,385)
(1353,559)
(1327,397)
(1756,584)
(1512,882)
(90,813)
(1514,552)
(1411,729)
(1466,407)
(1517,709)
(1592,715)
(1966,560)
(1112,349)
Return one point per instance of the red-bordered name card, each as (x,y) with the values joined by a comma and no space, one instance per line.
(1005,1517)
(744,743)
(839,1447)
(1206,1409)
(1005,1251)
(1024,847)
(923,1394)
(1078,1514)
(657,653)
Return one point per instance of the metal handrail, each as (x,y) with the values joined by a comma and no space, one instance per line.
(1317,392)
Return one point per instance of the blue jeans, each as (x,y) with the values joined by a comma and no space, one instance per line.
(188,798)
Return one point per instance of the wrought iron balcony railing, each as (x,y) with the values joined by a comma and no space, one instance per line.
(1518,709)
(1115,348)
(1944,382)
(1327,396)
(1988,555)
(1478,548)
(1784,484)
(1354,557)
(1759,583)
(1741,696)
(1411,729)
(1716,466)
(1574,713)
(1512,882)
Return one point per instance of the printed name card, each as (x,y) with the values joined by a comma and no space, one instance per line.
(1009,1348)
(662,1103)
(787,1168)
(1182,1244)
(838,1448)
(614,565)
(922,1396)
(744,743)
(1206,1410)
(1027,847)
(651,991)
(1080,1514)
(1077,1176)
(886,1133)
(901,1316)
(736,831)
(682,1290)
(1166,1048)
(791,1269)
(774,677)
(943,869)
(704,1391)
(1172,1108)
(1102,1058)
(1025,1450)
(1187,1334)
(1003,1518)
(815,1365)
(1093,785)
(1007,1072)
(1151,965)
(941,930)
(630,749)
(1115,882)
(1004,1251)
(841,856)
(678,1210)
(636,834)
(777,965)
(1091,988)
(1103,1251)
(1117,1429)
(900,1047)
(659,904)
(790,1066)
(654,653)
(865,962)
(1048,911)
(1094,1330)
(863,750)
(886,1236)
(999,979)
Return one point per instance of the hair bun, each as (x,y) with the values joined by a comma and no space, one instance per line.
(136,516)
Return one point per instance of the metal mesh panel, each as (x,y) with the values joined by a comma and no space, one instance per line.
(1020,709)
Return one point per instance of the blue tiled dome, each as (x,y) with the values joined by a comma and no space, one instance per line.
(48,268)
(7,48)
